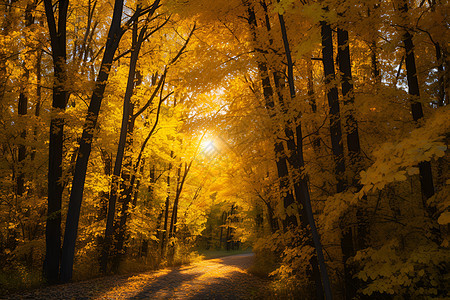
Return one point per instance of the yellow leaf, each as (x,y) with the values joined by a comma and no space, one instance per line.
(444,218)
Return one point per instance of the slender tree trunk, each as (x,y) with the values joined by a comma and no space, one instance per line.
(175,203)
(127,111)
(126,186)
(280,155)
(312,102)
(301,183)
(180,183)
(76,196)
(104,195)
(55,184)
(425,174)
(129,178)
(441,74)
(147,201)
(159,223)
(37,110)
(22,111)
(354,152)
(374,62)
(23,106)
(333,103)
(166,211)
(373,49)
(291,153)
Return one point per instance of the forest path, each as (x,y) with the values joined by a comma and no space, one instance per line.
(220,278)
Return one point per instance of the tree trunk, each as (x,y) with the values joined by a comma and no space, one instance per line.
(126,186)
(37,110)
(333,103)
(23,106)
(280,155)
(124,130)
(166,211)
(425,174)
(180,184)
(76,196)
(129,178)
(301,183)
(312,102)
(55,184)
(22,111)
(353,145)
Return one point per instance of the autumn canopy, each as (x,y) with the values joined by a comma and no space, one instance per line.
(135,134)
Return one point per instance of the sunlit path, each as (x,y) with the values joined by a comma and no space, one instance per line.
(221,278)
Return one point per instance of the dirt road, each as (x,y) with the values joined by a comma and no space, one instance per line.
(221,278)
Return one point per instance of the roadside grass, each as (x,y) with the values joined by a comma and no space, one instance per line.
(18,278)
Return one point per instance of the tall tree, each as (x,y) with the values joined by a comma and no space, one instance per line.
(425,173)
(333,103)
(115,33)
(58,36)
(301,184)
(354,153)
(137,39)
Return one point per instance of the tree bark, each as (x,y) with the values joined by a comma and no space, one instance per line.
(166,211)
(333,103)
(353,146)
(76,196)
(301,183)
(425,173)
(55,184)
(22,111)
(280,155)
(124,130)
(23,107)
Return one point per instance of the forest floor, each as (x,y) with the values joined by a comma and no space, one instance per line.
(220,278)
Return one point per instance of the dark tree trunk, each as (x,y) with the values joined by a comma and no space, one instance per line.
(175,203)
(180,183)
(280,155)
(425,174)
(76,196)
(373,50)
(147,202)
(37,110)
(129,178)
(301,183)
(127,183)
(353,145)
(374,62)
(138,185)
(166,211)
(124,130)
(104,196)
(23,107)
(22,111)
(291,155)
(312,102)
(159,223)
(441,74)
(222,226)
(129,174)
(333,103)
(55,184)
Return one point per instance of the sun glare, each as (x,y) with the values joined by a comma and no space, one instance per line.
(208,146)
